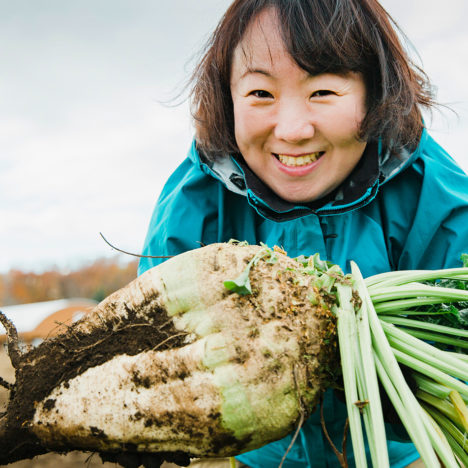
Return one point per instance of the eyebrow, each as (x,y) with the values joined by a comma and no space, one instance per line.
(250,71)
(261,71)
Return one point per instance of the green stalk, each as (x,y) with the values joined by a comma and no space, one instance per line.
(416,291)
(447,425)
(436,337)
(429,386)
(454,359)
(444,406)
(430,371)
(400,394)
(396,278)
(463,357)
(411,421)
(418,355)
(402,304)
(375,426)
(405,313)
(365,413)
(439,441)
(425,326)
(396,292)
(457,450)
(460,408)
(425,352)
(347,337)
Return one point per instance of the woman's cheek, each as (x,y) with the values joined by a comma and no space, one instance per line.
(344,126)
(249,123)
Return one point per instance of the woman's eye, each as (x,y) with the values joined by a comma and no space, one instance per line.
(260,93)
(322,93)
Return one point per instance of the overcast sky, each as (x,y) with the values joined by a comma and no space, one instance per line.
(85,142)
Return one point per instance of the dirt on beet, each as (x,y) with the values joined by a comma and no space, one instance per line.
(64,357)
(51,460)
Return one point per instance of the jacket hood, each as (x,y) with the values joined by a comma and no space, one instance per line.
(360,188)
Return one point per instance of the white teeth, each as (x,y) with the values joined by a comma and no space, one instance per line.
(298,161)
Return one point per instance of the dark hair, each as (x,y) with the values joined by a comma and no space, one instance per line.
(322,36)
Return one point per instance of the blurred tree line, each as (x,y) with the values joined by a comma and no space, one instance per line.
(95,281)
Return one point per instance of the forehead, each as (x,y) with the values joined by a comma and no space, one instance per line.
(262,43)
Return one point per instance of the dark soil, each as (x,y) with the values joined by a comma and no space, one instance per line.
(70,354)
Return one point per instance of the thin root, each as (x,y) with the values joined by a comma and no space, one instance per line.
(301,420)
(341,456)
(345,438)
(168,339)
(88,460)
(133,254)
(13,345)
(118,330)
(293,440)
(3,429)
(7,385)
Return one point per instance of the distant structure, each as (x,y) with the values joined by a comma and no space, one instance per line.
(40,320)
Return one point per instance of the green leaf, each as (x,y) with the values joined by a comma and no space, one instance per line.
(464,259)
(303,260)
(237,242)
(273,258)
(321,265)
(325,282)
(240,285)
(463,316)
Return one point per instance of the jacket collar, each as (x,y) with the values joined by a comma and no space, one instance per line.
(359,189)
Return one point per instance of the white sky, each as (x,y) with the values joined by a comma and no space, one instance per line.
(86,145)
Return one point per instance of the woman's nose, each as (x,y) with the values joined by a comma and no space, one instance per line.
(294,123)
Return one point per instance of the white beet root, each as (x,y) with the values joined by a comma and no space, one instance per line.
(175,362)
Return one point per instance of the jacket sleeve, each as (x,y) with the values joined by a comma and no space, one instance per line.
(431,229)
(185,216)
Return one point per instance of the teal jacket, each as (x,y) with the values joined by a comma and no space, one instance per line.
(409,212)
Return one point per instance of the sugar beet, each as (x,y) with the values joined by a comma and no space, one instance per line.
(175,362)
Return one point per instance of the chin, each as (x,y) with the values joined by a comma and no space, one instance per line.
(297,198)
(292,196)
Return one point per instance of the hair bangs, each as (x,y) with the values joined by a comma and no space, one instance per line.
(322,36)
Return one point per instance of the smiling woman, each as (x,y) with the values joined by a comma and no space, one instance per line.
(298,132)
(309,135)
(92,100)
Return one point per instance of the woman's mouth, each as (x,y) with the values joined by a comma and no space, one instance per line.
(297,161)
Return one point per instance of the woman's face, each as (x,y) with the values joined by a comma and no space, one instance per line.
(297,132)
